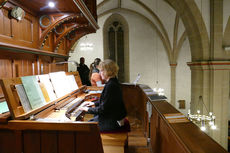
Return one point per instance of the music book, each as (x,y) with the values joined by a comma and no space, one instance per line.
(3,107)
(23,97)
(60,83)
(44,91)
(176,118)
(45,79)
(72,82)
(33,91)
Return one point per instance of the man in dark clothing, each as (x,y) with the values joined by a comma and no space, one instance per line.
(83,72)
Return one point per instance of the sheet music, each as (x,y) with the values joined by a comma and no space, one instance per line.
(33,91)
(60,83)
(45,79)
(23,97)
(3,107)
(72,82)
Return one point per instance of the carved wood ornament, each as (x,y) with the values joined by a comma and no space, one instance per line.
(2,3)
(61,27)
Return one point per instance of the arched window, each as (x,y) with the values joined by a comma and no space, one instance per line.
(116,46)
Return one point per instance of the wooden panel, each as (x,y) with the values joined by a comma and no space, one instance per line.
(135,101)
(5,71)
(45,68)
(32,141)
(66,142)
(49,142)
(25,67)
(49,43)
(5,24)
(28,67)
(7,136)
(169,139)
(26,30)
(18,68)
(6,68)
(93,140)
(62,47)
(59,67)
(154,132)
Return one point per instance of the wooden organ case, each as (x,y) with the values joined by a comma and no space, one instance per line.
(33,39)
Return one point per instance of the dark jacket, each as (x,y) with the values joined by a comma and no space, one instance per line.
(110,107)
(84,74)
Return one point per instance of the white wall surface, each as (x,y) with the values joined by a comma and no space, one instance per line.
(183,77)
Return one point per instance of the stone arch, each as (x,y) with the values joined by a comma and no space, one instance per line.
(122,20)
(195,28)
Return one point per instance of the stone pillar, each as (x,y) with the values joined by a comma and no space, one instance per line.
(173,84)
(216,30)
(211,81)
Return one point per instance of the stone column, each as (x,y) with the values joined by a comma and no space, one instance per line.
(173,84)
(211,81)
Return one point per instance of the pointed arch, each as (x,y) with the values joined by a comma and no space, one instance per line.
(119,18)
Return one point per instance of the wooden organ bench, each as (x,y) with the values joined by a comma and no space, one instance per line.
(114,142)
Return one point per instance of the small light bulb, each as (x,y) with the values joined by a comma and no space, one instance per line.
(203,128)
(213,127)
(51,4)
(210,123)
(210,113)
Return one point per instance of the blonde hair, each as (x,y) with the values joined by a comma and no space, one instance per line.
(109,67)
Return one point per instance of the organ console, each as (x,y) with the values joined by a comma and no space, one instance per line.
(54,119)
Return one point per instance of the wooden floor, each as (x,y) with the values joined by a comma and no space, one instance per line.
(137,142)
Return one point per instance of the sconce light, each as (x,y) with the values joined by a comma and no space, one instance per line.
(226,48)
(86,46)
(51,4)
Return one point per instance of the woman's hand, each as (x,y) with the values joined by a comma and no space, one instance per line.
(84,109)
(87,103)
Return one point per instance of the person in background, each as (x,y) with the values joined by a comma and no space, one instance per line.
(83,72)
(95,77)
(110,110)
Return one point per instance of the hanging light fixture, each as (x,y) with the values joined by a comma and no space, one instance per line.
(202,120)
